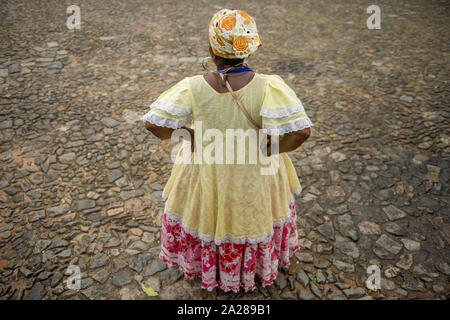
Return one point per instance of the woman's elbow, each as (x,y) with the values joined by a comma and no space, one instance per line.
(149,126)
(303,134)
(160,132)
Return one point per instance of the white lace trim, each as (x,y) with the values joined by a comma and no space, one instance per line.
(287,127)
(171,108)
(297,192)
(228,238)
(282,112)
(164,122)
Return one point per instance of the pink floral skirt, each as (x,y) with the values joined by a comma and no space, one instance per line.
(231,263)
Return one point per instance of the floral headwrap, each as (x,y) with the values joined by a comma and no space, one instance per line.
(233,34)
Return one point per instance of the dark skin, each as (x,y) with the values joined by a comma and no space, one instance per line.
(290,141)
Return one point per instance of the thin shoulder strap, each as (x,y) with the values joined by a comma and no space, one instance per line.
(239,103)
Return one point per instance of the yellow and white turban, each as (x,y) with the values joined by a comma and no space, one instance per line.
(233,34)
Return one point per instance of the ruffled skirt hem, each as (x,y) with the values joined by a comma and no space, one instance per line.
(229,265)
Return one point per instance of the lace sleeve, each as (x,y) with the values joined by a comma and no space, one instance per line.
(173,108)
(281,110)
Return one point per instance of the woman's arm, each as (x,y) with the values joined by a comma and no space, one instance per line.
(291,141)
(165,133)
(161,132)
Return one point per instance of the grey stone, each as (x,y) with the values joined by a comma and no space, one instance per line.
(302,278)
(129,293)
(58,210)
(6,124)
(320,277)
(6,227)
(57,276)
(338,156)
(342,285)
(304,257)
(157,265)
(369,228)
(122,278)
(405,261)
(113,175)
(126,195)
(83,205)
(323,248)
(288,295)
(85,283)
(14,68)
(388,244)
(395,229)
(280,281)
(347,227)
(52,44)
(438,288)
(327,230)
(336,295)
(356,292)
(411,283)
(65,253)
(56,65)
(41,245)
(394,213)
(113,242)
(101,276)
(36,215)
(411,245)
(139,262)
(122,182)
(322,263)
(107,38)
(387,284)
(442,267)
(406,98)
(170,276)
(330,276)
(99,260)
(67,157)
(37,292)
(25,272)
(156,196)
(59,243)
(11,191)
(188,59)
(316,290)
(344,266)
(348,248)
(139,245)
(305,295)
(176,292)
(110,122)
(156,186)
(98,292)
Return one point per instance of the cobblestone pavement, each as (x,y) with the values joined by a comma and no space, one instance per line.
(81,180)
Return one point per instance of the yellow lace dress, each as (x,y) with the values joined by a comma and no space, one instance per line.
(217,207)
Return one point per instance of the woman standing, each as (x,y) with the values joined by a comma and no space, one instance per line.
(225,221)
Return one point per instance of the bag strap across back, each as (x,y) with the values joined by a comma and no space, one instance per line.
(239,103)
